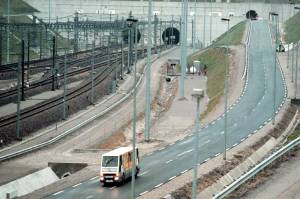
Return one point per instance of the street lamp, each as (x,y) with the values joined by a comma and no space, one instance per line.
(132,23)
(226,93)
(275,15)
(8,42)
(197,94)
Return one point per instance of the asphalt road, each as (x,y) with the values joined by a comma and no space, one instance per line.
(251,112)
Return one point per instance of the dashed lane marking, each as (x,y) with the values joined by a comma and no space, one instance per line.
(112,187)
(76,185)
(169,161)
(93,178)
(57,193)
(145,172)
(181,154)
(89,197)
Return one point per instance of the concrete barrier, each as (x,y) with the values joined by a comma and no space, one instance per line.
(28,184)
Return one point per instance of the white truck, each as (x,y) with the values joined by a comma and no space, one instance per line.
(116,165)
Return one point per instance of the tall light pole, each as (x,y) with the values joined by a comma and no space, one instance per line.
(49,11)
(204,24)
(194,26)
(148,76)
(183,50)
(197,94)
(210,24)
(275,15)
(132,23)
(226,93)
(296,70)
(8,42)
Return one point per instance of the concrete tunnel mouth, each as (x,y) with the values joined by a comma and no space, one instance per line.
(171,35)
(251,14)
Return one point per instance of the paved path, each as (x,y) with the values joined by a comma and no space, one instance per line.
(284,184)
(252,111)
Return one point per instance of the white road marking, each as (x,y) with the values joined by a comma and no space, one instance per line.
(57,193)
(207,141)
(76,185)
(144,173)
(158,185)
(161,149)
(217,154)
(182,172)
(181,154)
(172,177)
(206,159)
(112,187)
(93,178)
(89,197)
(242,139)
(222,132)
(169,161)
(235,144)
(143,193)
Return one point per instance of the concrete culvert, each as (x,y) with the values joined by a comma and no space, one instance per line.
(171,36)
(66,175)
(63,170)
(125,36)
(251,14)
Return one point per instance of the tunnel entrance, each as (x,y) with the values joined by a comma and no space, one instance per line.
(251,14)
(171,36)
(125,36)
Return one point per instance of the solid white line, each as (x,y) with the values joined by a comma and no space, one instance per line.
(159,185)
(93,178)
(161,149)
(182,172)
(57,193)
(235,144)
(206,160)
(169,161)
(143,193)
(217,154)
(242,139)
(172,177)
(76,185)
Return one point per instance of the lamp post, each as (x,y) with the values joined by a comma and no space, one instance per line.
(197,94)
(275,15)
(226,93)
(194,24)
(148,77)
(132,23)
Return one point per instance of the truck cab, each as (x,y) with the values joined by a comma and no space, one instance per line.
(116,165)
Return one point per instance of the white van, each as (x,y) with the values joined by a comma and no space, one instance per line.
(116,165)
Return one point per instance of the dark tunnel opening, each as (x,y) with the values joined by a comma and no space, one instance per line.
(171,36)
(251,14)
(125,36)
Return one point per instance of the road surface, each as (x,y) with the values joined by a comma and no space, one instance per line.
(251,112)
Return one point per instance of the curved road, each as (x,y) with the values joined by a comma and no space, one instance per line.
(250,112)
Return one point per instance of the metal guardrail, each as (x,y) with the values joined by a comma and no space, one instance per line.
(64,134)
(257,169)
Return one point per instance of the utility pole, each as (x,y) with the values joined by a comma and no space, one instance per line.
(183,50)
(92,74)
(8,41)
(65,86)
(194,26)
(210,24)
(28,56)
(148,77)
(296,70)
(19,100)
(204,24)
(23,71)
(53,63)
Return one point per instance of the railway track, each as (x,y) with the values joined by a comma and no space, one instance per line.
(105,70)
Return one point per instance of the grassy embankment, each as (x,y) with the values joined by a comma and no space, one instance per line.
(292,29)
(215,58)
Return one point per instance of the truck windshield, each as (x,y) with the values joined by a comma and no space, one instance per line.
(110,161)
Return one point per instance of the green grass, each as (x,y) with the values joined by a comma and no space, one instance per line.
(233,37)
(293,136)
(216,60)
(292,29)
